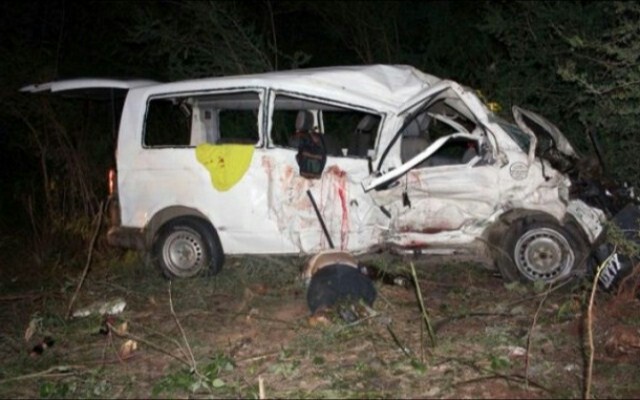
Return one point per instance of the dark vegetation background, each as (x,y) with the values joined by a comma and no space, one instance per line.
(575,62)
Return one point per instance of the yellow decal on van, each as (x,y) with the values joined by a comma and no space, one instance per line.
(226,163)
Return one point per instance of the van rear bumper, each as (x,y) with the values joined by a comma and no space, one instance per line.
(129,238)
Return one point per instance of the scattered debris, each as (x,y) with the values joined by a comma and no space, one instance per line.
(112,307)
(514,351)
(388,278)
(34,326)
(39,348)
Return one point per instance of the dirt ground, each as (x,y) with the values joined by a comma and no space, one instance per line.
(246,333)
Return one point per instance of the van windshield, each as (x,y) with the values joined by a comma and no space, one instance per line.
(522,139)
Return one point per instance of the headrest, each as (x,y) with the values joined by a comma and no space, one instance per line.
(367,123)
(304,121)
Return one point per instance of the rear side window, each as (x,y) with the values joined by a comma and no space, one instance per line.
(168,123)
(238,126)
(190,120)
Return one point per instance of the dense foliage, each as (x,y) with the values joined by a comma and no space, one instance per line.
(575,62)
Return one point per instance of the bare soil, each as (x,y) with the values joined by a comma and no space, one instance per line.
(251,324)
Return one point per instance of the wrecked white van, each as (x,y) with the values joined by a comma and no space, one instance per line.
(403,161)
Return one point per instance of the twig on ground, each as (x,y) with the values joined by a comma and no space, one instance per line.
(508,378)
(589,374)
(86,267)
(24,296)
(148,343)
(425,316)
(257,317)
(257,358)
(535,296)
(172,340)
(261,394)
(193,364)
(53,372)
(493,375)
(530,335)
(398,342)
(184,336)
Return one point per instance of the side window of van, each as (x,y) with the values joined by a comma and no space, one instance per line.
(190,120)
(238,126)
(345,131)
(168,123)
(437,121)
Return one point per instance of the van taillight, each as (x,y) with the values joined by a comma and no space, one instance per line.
(112,181)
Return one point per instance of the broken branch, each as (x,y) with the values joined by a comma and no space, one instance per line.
(589,374)
(86,267)
(53,372)
(533,325)
(425,316)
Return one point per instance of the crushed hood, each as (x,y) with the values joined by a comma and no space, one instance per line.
(547,134)
(547,142)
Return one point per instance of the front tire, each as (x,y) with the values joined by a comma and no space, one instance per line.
(540,250)
(185,247)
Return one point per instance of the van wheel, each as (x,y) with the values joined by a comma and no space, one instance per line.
(187,246)
(539,250)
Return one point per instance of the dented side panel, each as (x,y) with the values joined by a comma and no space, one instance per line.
(268,210)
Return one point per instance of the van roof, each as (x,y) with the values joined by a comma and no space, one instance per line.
(374,85)
(392,85)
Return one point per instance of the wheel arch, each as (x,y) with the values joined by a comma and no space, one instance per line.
(509,217)
(167,214)
(495,231)
(492,235)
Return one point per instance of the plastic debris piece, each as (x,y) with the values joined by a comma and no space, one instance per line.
(113,307)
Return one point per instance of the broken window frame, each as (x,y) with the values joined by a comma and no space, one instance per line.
(196,100)
(316,105)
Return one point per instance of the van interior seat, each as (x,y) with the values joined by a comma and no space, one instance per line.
(411,146)
(304,123)
(332,146)
(361,140)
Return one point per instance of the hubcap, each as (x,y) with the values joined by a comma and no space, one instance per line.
(183,253)
(543,254)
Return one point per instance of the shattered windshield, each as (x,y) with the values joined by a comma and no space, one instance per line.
(522,139)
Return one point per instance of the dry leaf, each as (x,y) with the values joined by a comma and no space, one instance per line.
(128,348)
(121,329)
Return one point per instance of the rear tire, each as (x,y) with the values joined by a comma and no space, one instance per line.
(185,247)
(540,250)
